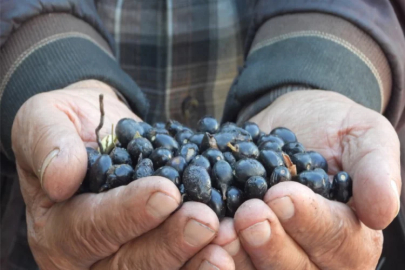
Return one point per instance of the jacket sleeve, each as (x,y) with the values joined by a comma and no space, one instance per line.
(356,48)
(47,45)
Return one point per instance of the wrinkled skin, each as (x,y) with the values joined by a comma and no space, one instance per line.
(129,227)
(295,228)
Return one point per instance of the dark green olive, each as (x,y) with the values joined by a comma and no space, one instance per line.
(197,183)
(169,173)
(284,133)
(126,129)
(255,188)
(234,198)
(217,204)
(246,168)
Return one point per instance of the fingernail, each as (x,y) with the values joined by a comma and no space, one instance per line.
(197,234)
(395,188)
(206,265)
(233,247)
(257,234)
(283,208)
(161,205)
(46,163)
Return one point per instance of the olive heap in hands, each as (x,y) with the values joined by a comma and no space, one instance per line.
(221,166)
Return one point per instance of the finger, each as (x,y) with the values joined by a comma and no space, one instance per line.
(98,224)
(45,140)
(170,245)
(371,156)
(265,240)
(328,231)
(212,257)
(228,239)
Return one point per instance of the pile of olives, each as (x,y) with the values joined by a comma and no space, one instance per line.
(219,165)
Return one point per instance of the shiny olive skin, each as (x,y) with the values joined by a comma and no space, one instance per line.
(230,158)
(197,138)
(317,180)
(126,129)
(213,155)
(146,127)
(222,176)
(234,198)
(303,162)
(253,130)
(92,156)
(217,204)
(245,150)
(279,174)
(120,156)
(170,173)
(270,160)
(139,146)
(160,156)
(164,141)
(151,134)
(119,175)
(201,161)
(197,183)
(98,173)
(318,161)
(144,168)
(183,136)
(208,124)
(342,187)
(255,188)
(270,138)
(173,127)
(246,168)
(159,125)
(293,148)
(269,145)
(178,163)
(284,133)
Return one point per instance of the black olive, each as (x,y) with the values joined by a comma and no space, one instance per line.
(160,156)
(228,126)
(197,183)
(268,145)
(159,125)
(280,174)
(179,163)
(293,148)
(270,160)
(246,168)
(139,146)
(229,157)
(197,139)
(153,132)
(188,151)
(98,173)
(342,187)
(207,142)
(120,156)
(146,127)
(119,175)
(208,124)
(169,173)
(182,189)
(284,133)
(144,168)
(302,161)
(224,138)
(242,150)
(217,204)
(92,156)
(126,129)
(234,198)
(165,141)
(253,129)
(183,136)
(202,162)
(317,180)
(173,127)
(270,138)
(255,188)
(222,176)
(213,155)
(318,161)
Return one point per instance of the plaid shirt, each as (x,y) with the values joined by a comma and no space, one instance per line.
(184,55)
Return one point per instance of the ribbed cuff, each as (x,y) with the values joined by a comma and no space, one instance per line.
(54,62)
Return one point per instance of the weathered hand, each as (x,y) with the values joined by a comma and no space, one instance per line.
(129,227)
(295,228)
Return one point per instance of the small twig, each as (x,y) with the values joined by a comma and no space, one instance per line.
(100,125)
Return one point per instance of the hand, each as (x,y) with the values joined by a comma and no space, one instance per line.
(295,228)
(125,228)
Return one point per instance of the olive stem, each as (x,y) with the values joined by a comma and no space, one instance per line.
(100,125)
(233,148)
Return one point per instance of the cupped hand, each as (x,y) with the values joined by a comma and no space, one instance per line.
(294,228)
(130,227)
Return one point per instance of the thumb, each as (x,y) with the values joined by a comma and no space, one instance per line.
(46,142)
